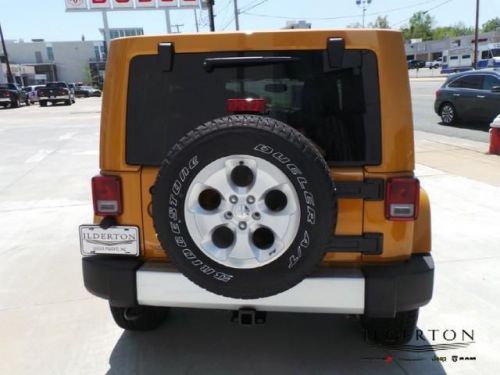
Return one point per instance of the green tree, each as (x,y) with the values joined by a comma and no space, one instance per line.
(420,26)
(491,25)
(354,25)
(458,29)
(381,22)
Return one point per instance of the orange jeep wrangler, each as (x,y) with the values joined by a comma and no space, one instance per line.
(265,171)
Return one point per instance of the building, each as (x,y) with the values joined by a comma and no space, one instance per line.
(122,32)
(79,61)
(432,49)
(302,24)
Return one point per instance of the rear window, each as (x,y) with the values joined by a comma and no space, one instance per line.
(338,109)
(56,84)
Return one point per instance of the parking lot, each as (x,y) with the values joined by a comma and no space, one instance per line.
(51,325)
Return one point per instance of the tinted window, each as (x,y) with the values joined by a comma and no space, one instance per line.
(490,82)
(468,82)
(485,55)
(338,109)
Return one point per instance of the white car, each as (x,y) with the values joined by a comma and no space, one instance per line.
(32,93)
(434,64)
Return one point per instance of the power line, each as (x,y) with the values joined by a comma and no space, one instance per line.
(392,10)
(425,11)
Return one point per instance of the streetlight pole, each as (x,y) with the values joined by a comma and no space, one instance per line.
(10,78)
(364,4)
(210,5)
(236,15)
(476,35)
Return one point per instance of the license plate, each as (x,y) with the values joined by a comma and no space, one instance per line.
(122,240)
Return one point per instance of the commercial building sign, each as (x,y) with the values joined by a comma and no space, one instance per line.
(76,4)
(145,3)
(123,4)
(92,5)
(100,4)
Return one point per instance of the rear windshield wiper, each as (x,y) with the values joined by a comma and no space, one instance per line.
(227,62)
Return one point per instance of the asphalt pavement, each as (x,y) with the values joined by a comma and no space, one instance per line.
(49,324)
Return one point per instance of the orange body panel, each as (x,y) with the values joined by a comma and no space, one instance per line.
(355,216)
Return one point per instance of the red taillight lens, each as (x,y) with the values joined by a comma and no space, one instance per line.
(107,196)
(402,199)
(438,92)
(248,105)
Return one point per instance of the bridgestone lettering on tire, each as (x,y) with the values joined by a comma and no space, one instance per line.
(244,206)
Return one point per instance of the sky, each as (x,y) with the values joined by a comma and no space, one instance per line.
(47,19)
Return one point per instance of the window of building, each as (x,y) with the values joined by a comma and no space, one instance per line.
(50,53)
(38,57)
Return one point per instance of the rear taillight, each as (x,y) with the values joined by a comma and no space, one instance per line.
(438,92)
(402,199)
(107,196)
(248,105)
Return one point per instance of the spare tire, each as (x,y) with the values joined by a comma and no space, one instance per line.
(244,206)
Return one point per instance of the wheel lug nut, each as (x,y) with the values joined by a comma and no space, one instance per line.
(250,199)
(233,199)
(228,215)
(242,225)
(256,216)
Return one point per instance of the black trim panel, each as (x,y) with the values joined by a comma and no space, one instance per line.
(398,287)
(367,244)
(166,56)
(370,189)
(335,48)
(112,278)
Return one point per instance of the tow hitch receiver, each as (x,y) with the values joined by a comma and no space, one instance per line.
(248,317)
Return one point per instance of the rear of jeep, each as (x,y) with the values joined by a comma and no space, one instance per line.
(270,171)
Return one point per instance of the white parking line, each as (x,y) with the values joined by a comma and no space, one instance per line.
(38,156)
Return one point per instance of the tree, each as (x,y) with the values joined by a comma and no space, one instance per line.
(420,26)
(458,29)
(354,25)
(491,25)
(381,22)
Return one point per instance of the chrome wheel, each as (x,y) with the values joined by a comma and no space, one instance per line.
(448,114)
(242,211)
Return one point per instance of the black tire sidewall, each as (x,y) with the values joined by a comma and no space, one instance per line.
(294,264)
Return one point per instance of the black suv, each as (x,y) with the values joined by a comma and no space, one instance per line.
(473,95)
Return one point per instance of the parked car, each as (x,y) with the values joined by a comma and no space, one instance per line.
(472,95)
(11,94)
(55,92)
(223,161)
(32,92)
(434,64)
(416,64)
(87,91)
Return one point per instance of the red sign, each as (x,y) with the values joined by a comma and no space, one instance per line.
(99,3)
(167,3)
(123,4)
(145,3)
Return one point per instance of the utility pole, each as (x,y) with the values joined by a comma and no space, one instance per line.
(236,15)
(167,20)
(476,35)
(196,20)
(364,4)
(210,5)
(10,78)
(178,27)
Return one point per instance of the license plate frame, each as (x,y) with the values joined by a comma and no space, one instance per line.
(117,240)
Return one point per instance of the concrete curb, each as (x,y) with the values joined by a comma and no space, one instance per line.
(457,156)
